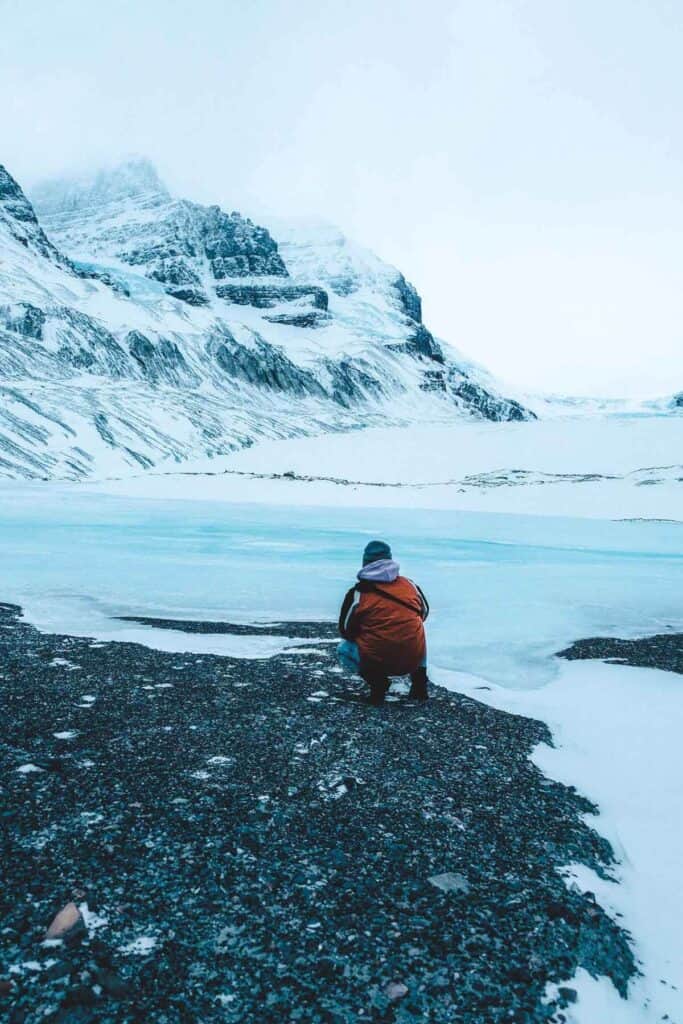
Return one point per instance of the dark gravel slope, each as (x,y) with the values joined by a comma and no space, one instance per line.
(274,839)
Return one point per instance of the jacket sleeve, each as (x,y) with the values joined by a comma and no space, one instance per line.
(347,613)
(425,603)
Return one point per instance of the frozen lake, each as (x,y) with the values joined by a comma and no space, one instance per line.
(506,591)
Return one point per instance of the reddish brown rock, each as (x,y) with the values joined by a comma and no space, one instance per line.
(67,918)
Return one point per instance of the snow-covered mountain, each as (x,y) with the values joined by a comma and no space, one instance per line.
(136,327)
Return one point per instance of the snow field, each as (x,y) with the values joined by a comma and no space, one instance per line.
(633,466)
(617,736)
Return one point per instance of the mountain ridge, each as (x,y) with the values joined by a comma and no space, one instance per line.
(137,327)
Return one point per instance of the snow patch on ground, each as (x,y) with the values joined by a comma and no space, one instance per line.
(617,732)
(88,621)
(93,921)
(139,947)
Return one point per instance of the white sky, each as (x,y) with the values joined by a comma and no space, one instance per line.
(519,160)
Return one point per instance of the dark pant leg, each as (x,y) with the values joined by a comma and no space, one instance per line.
(377,679)
(418,683)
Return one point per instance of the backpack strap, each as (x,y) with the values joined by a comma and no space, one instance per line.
(396,600)
(350,603)
(423,599)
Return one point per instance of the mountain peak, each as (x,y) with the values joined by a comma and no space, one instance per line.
(130,179)
(126,213)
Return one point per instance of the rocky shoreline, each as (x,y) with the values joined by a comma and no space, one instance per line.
(664,651)
(253,843)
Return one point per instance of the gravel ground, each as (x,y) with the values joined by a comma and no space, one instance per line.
(665,651)
(257,844)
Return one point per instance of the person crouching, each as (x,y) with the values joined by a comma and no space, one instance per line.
(382,623)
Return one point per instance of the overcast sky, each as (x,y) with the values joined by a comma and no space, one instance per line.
(519,160)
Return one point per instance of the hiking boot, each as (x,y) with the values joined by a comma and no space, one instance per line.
(418,685)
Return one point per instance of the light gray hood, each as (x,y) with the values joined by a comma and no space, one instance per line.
(384,570)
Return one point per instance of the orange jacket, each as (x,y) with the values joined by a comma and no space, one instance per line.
(386,621)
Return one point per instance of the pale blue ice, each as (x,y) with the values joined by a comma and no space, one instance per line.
(506,591)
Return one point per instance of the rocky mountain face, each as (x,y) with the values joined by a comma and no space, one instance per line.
(136,328)
(18,219)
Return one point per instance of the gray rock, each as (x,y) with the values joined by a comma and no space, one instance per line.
(112,984)
(395,990)
(567,994)
(450,881)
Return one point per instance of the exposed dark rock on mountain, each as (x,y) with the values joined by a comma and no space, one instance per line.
(492,407)
(85,344)
(161,360)
(411,303)
(191,236)
(315,318)
(76,342)
(193,296)
(235,247)
(265,296)
(25,319)
(18,218)
(350,384)
(307,858)
(434,380)
(421,343)
(171,270)
(459,386)
(264,365)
